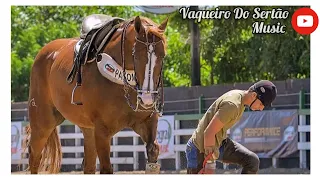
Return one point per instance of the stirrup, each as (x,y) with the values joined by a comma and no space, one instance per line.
(72,96)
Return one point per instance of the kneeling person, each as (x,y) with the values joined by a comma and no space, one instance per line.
(210,135)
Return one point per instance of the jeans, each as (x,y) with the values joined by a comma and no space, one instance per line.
(230,152)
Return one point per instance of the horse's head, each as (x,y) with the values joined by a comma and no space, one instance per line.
(148,52)
(143,49)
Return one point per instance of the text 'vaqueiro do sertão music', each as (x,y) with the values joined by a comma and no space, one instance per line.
(258,15)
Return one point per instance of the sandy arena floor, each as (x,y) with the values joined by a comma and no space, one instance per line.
(218,171)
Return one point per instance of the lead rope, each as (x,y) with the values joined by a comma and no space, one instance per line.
(125,82)
(205,163)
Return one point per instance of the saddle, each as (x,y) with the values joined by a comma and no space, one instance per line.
(96,31)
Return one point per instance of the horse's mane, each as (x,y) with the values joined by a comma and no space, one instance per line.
(151,27)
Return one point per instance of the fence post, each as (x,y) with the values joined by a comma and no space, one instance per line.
(135,154)
(201,104)
(177,142)
(302,98)
(302,135)
(77,143)
(115,154)
(274,162)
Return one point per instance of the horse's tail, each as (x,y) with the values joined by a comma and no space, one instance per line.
(25,142)
(51,154)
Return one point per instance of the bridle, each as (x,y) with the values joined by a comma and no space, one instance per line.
(158,103)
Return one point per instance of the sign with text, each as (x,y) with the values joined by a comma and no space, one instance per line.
(16,131)
(165,137)
(268,133)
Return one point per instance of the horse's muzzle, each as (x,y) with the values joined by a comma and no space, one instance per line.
(147,98)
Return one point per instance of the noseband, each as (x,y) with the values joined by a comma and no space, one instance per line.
(158,103)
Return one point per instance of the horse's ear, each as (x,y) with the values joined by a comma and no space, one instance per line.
(163,25)
(138,25)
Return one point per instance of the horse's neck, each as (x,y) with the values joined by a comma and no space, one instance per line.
(114,50)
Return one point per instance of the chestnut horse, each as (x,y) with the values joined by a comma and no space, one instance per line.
(137,45)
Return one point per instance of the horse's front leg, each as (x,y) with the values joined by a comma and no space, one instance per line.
(148,133)
(103,142)
(90,153)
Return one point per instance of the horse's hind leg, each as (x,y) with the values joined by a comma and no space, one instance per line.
(43,121)
(90,153)
(148,132)
(43,118)
(103,142)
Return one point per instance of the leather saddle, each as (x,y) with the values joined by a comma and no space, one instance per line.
(96,31)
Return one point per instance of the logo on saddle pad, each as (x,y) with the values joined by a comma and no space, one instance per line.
(110,68)
(113,71)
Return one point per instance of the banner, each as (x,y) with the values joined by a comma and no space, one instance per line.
(159,9)
(268,133)
(16,131)
(165,137)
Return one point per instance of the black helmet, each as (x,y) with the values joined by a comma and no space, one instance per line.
(266,92)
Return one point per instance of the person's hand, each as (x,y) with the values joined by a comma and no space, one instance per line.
(210,150)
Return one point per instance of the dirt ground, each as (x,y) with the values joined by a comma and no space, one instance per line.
(218,171)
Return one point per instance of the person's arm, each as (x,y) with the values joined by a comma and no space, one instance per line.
(226,112)
(214,126)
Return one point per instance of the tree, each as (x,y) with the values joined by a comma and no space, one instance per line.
(229,51)
(34,26)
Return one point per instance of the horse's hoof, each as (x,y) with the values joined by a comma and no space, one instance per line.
(152,168)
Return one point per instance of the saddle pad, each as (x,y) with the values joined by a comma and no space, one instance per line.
(113,71)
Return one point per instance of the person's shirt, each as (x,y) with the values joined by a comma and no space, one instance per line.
(230,106)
